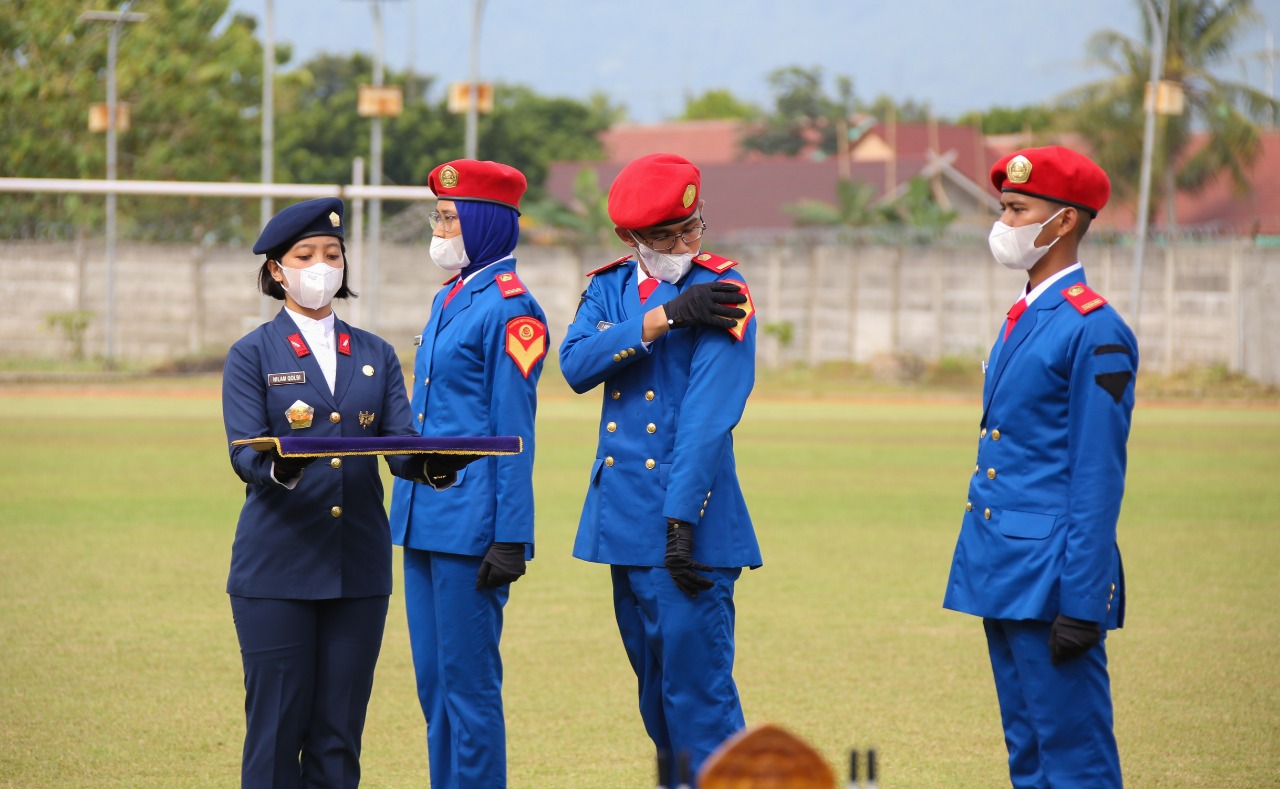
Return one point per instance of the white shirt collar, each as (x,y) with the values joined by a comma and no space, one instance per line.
(1044,286)
(323,326)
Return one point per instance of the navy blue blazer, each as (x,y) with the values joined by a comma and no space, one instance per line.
(1039,532)
(666,425)
(328,537)
(476,374)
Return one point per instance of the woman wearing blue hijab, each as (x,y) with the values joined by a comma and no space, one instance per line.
(467,534)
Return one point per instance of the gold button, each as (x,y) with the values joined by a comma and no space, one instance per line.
(987,513)
(968,506)
(1113,587)
(612,426)
(975,469)
(1108,606)
(426,381)
(995,435)
(608,461)
(651,427)
(419,417)
(617,357)
(648,395)
(701,513)
(336,512)
(650,463)
(616,394)
(335,417)
(991,473)
(336,462)
(631,351)
(983,434)
(415,378)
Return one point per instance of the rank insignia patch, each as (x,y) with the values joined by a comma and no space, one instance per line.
(344,344)
(739,329)
(509,284)
(299,347)
(1083,298)
(526,342)
(300,415)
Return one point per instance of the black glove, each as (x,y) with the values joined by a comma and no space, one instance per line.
(1070,638)
(680,561)
(706,304)
(286,468)
(441,471)
(502,564)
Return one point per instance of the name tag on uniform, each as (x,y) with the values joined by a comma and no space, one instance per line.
(417,340)
(277,379)
(602,325)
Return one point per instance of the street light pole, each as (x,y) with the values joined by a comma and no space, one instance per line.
(116,18)
(1159,33)
(477,8)
(268,124)
(375,177)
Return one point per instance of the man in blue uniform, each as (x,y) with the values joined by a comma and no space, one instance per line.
(1036,556)
(670,341)
(467,534)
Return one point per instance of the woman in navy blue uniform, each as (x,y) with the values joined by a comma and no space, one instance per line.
(311,562)
(468,533)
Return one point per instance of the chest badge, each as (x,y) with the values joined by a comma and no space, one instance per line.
(367,370)
(300,415)
(366,419)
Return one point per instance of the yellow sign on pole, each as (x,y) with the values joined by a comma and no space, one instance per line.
(98,117)
(1170,98)
(460,97)
(384,101)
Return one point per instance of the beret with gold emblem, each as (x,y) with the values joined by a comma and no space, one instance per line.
(319,217)
(482,182)
(1053,173)
(657,189)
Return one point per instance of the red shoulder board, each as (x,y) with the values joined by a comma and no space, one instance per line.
(714,262)
(526,342)
(608,266)
(739,329)
(1083,298)
(299,347)
(509,284)
(344,344)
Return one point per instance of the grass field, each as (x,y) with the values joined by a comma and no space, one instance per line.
(120,665)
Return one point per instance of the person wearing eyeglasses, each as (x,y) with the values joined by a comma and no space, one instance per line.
(468,531)
(667,335)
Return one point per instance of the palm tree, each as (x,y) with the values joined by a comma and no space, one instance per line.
(1109,113)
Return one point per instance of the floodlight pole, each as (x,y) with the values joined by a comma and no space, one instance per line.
(1159,34)
(113,46)
(473,106)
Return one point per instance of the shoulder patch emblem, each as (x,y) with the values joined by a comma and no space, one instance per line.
(714,262)
(1083,298)
(608,266)
(526,342)
(739,329)
(509,284)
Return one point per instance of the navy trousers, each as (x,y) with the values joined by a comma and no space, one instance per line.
(308,673)
(682,650)
(1057,719)
(454,630)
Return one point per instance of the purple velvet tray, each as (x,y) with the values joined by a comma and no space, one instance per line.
(290,446)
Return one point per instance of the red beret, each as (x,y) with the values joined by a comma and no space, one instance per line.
(484,182)
(657,189)
(1053,173)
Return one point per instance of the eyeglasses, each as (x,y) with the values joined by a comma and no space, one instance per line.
(439,220)
(667,243)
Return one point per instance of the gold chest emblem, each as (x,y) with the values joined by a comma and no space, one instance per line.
(366,418)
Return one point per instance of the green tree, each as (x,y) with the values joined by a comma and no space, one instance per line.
(191,78)
(1109,113)
(855,206)
(1010,120)
(804,113)
(718,104)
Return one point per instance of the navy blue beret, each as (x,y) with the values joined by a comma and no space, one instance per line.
(319,217)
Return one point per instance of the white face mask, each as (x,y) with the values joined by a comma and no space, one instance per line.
(663,265)
(312,287)
(449,253)
(1015,247)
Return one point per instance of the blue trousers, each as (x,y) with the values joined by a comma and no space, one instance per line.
(681,649)
(1057,719)
(308,673)
(454,630)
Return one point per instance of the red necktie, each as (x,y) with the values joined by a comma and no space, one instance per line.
(457,286)
(1015,312)
(647,288)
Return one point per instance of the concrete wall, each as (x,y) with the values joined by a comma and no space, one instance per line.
(1201,303)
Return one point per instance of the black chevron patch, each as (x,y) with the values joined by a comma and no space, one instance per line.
(1114,383)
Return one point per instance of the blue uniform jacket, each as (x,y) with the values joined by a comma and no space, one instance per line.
(1039,531)
(327,537)
(666,427)
(468,381)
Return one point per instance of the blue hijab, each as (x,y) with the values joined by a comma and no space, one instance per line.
(489,232)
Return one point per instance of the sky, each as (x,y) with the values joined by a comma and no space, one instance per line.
(956,55)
